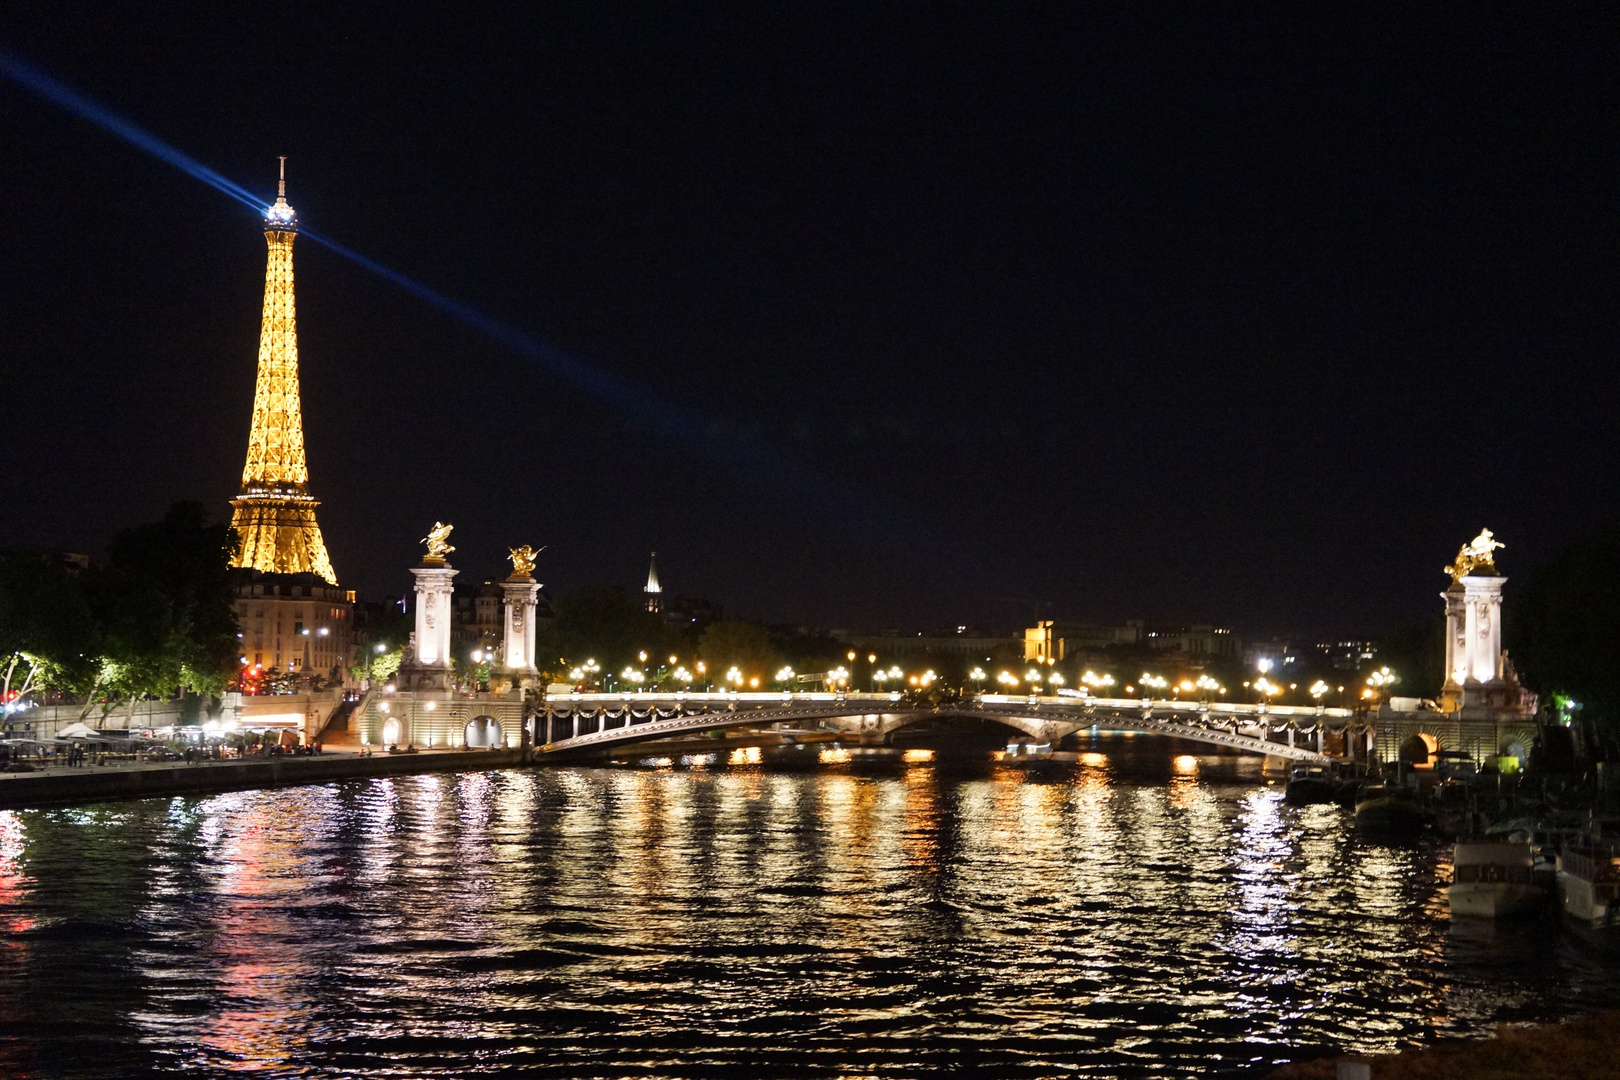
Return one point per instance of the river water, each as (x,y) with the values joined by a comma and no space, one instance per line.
(733,921)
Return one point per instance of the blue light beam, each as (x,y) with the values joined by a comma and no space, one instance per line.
(32,78)
(723,442)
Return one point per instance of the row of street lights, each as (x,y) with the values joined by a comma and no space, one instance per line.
(1098,684)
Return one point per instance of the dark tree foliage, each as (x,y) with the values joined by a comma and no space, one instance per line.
(390,626)
(164,600)
(155,617)
(809,652)
(45,614)
(602,622)
(1416,652)
(1559,628)
(730,643)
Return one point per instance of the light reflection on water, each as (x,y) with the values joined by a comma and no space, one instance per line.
(662,922)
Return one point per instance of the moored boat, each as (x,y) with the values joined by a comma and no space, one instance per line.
(1309,784)
(1390,813)
(874,758)
(1589,883)
(1026,753)
(1494,880)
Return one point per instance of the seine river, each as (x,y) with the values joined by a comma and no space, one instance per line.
(626,922)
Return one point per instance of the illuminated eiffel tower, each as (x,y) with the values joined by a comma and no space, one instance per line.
(275,515)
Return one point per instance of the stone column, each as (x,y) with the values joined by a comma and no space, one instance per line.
(519,637)
(1456,637)
(1483,622)
(434,593)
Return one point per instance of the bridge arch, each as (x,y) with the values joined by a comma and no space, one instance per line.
(1419,749)
(1039,728)
(483,732)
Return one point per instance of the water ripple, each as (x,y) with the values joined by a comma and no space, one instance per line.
(641,923)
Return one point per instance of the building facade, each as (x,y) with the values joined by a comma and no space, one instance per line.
(295,624)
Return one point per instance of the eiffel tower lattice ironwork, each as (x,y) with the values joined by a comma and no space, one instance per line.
(275,514)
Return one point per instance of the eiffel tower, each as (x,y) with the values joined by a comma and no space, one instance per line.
(275,514)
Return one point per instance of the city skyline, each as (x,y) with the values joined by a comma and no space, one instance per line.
(1089,430)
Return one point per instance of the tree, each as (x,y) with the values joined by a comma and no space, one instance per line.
(1558,629)
(747,647)
(1416,652)
(48,634)
(165,603)
(603,623)
(377,667)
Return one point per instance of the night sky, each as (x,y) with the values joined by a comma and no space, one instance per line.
(958,311)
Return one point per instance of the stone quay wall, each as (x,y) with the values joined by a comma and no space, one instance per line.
(101,784)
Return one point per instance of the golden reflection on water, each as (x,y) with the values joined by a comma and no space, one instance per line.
(13,880)
(262,871)
(637,920)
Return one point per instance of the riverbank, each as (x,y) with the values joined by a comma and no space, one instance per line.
(1584,1049)
(88,784)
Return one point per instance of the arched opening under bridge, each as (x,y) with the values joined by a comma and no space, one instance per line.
(483,733)
(1419,751)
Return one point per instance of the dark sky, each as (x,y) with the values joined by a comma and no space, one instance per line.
(1247,320)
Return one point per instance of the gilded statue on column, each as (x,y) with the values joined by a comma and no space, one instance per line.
(523,560)
(438,542)
(1478,554)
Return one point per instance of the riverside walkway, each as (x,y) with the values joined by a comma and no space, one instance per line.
(61,784)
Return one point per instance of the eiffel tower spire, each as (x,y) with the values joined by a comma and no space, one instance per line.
(275,515)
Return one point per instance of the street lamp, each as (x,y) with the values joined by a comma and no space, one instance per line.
(1377,681)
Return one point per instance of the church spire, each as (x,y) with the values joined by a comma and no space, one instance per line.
(275,515)
(654,593)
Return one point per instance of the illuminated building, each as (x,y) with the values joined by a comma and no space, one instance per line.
(294,624)
(275,514)
(292,616)
(1049,640)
